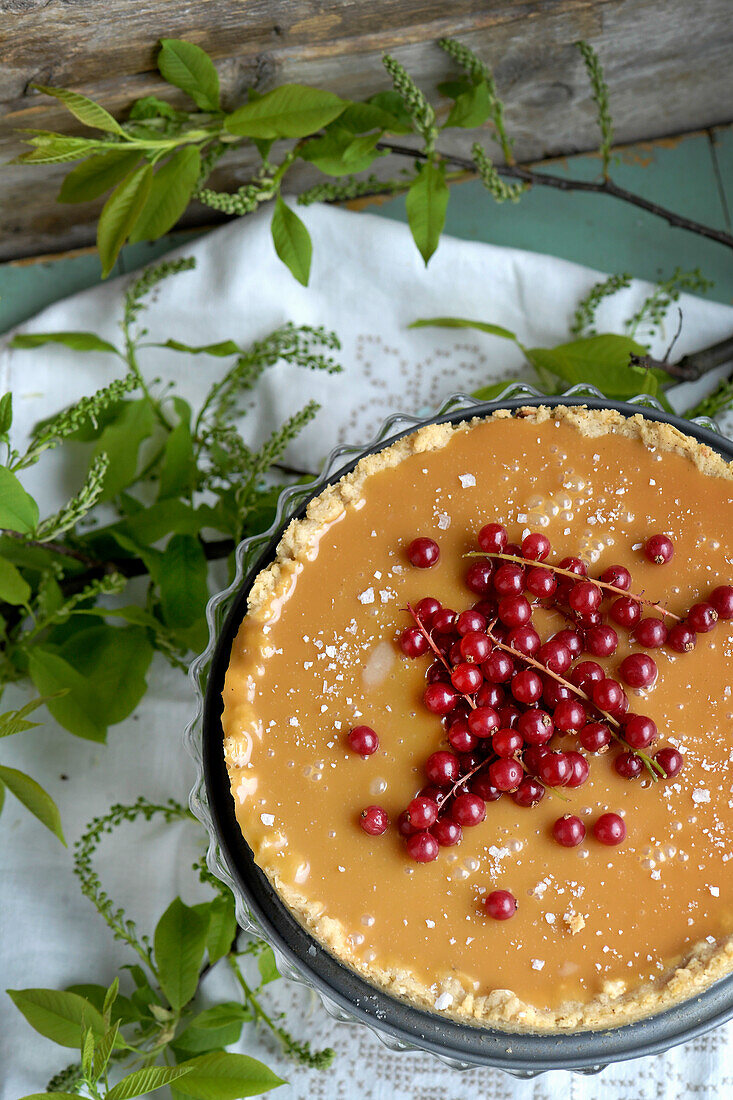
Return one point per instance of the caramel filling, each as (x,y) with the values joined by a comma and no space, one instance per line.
(589,919)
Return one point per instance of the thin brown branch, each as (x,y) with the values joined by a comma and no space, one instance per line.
(690,367)
(561,183)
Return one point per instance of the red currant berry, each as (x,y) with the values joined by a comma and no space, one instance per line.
(585,597)
(513,549)
(490,695)
(586,674)
(475,647)
(487,608)
(628,765)
(650,633)
(442,768)
(609,829)
(526,687)
(426,609)
(455,657)
(659,549)
(468,809)
(493,538)
(555,656)
(721,599)
(435,794)
(470,622)
(533,756)
(506,775)
(626,612)
(702,617)
(580,767)
(437,674)
(572,639)
(535,726)
(423,812)
(508,715)
(498,667)
(639,731)
(483,722)
(574,565)
(601,641)
(439,698)
(569,716)
(554,769)
(460,737)
(540,582)
(467,678)
(638,670)
(447,832)
(413,642)
(404,825)
(506,743)
(595,737)
(444,620)
(524,639)
(478,576)
(363,740)
(514,610)
(681,638)
(618,576)
(528,793)
(482,786)
(608,695)
(374,820)
(509,579)
(553,692)
(500,904)
(670,761)
(569,831)
(422,847)
(535,547)
(423,553)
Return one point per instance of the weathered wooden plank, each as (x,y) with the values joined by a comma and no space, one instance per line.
(666,62)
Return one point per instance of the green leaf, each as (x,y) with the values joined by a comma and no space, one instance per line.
(471,108)
(181,573)
(191,69)
(122,1009)
(170,193)
(14,588)
(105,1046)
(212,1029)
(427,201)
(77,341)
(290,111)
(34,798)
(453,88)
(75,710)
(6,413)
(178,472)
(58,1095)
(292,241)
(460,322)
(87,1052)
(601,361)
(180,940)
(119,214)
(145,1080)
(340,153)
(266,966)
(86,110)
(18,510)
(2,797)
(95,176)
(225,1076)
(361,117)
(222,928)
(58,150)
(56,1015)
(121,441)
(14,721)
(222,349)
(392,104)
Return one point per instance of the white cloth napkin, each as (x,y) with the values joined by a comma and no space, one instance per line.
(367,284)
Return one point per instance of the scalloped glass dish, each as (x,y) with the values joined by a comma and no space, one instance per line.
(344,994)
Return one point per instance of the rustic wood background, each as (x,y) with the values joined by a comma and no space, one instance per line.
(668,64)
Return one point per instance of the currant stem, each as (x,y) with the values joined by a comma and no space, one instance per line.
(429,639)
(576,577)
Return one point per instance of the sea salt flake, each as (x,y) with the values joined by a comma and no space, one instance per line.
(443,521)
(444,1001)
(267,819)
(367,596)
(715,891)
(538,964)
(700,794)
(550,918)
(430,923)
(294,722)
(331,651)
(466,480)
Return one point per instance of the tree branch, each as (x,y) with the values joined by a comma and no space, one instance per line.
(690,367)
(561,183)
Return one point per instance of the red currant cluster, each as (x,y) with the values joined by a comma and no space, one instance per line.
(503,694)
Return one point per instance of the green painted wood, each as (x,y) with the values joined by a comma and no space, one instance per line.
(689,175)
